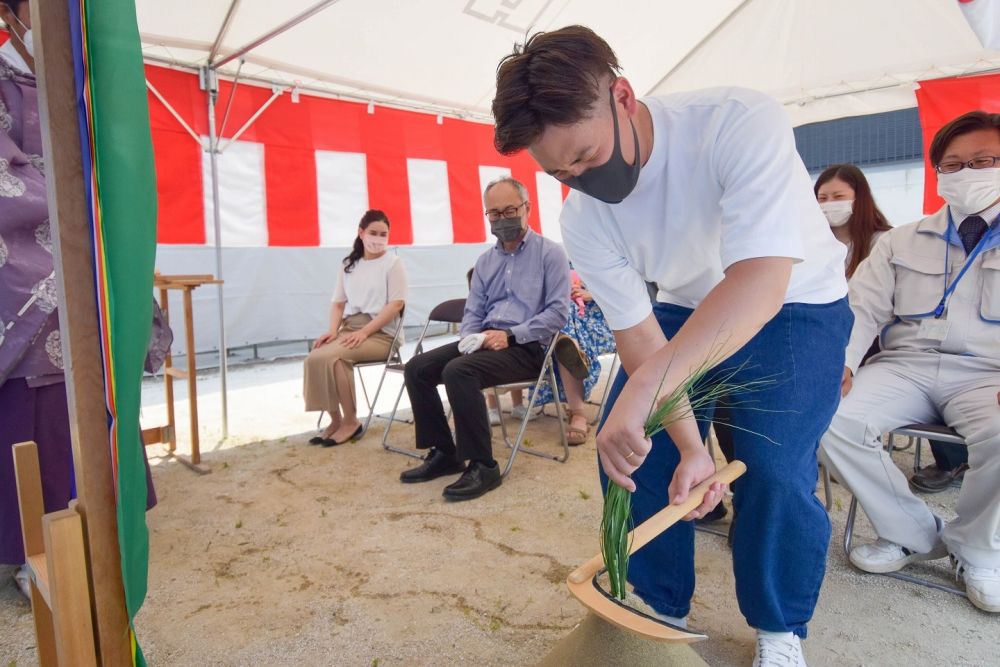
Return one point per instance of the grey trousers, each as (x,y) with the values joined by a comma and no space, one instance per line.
(897,388)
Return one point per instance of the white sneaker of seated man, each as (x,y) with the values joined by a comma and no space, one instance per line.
(882,556)
(982,584)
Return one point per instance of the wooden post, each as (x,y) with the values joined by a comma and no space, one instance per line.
(69,598)
(74,265)
(168,378)
(192,377)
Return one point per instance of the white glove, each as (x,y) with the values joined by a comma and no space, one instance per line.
(471,343)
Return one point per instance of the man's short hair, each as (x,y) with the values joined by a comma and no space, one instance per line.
(964,124)
(552,79)
(518,185)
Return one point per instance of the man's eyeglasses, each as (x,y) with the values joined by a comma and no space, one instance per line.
(984,162)
(509,212)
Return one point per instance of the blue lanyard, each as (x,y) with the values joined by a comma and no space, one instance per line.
(949,289)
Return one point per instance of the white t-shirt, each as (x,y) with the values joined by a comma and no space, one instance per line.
(370,285)
(723,183)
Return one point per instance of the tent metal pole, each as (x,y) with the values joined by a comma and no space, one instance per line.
(212,88)
(277,93)
(382,98)
(223,29)
(287,25)
(173,112)
(232,96)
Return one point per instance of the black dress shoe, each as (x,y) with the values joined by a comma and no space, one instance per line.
(477,479)
(330,442)
(932,479)
(437,464)
(316,440)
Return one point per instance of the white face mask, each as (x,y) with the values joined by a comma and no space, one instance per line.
(28,41)
(838,212)
(374,244)
(970,191)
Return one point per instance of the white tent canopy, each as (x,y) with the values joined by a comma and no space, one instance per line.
(822,59)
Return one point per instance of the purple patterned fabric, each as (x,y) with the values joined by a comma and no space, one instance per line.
(29,326)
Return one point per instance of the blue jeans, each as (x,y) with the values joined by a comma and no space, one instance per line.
(781,536)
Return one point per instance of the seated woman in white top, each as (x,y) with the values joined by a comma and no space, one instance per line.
(846,199)
(367,307)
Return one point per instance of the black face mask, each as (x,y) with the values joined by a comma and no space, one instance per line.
(506,229)
(612,181)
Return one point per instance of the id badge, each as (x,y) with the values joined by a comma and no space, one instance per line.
(935,329)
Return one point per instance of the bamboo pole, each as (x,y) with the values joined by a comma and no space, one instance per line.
(74,265)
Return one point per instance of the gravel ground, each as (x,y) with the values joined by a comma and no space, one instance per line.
(288,554)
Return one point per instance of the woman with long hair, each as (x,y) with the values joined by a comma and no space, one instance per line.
(367,306)
(846,199)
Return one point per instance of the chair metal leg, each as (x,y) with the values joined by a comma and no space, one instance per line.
(916,453)
(607,390)
(385,435)
(371,405)
(827,491)
(517,445)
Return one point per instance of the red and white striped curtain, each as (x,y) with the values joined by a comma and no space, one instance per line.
(303,173)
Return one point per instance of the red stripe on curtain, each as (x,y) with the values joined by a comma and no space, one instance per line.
(292,203)
(942,100)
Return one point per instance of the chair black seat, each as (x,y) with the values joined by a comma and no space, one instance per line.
(450,311)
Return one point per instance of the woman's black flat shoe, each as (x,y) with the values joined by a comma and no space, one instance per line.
(330,442)
(316,440)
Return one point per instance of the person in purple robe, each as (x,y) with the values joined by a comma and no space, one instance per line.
(32,387)
(33,403)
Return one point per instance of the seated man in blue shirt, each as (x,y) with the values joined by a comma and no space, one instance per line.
(517,302)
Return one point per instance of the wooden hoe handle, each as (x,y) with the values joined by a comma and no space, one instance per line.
(662,520)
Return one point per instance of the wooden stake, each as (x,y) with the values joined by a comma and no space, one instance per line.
(74,264)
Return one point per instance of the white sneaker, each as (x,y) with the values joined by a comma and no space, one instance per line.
(518,412)
(22,579)
(982,584)
(778,649)
(883,556)
(494,416)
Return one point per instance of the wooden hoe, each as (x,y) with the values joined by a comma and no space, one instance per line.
(583,582)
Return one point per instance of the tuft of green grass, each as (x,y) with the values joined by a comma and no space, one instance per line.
(239,524)
(696,395)
(584,495)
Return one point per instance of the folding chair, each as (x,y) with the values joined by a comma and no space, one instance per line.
(938,432)
(446,312)
(549,369)
(612,369)
(393,359)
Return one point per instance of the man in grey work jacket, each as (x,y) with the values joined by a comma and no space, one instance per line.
(937,284)
(518,300)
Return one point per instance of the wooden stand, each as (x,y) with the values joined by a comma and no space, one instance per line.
(168,433)
(57,565)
